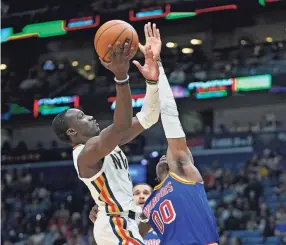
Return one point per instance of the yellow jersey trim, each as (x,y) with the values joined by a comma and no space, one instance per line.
(178,178)
(158,186)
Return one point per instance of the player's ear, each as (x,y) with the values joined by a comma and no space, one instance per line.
(71,132)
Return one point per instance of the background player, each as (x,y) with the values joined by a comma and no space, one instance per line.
(178,208)
(99,162)
(141,192)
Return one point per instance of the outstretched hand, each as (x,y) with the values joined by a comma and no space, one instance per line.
(120,60)
(152,37)
(150,70)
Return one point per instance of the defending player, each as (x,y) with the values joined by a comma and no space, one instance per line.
(178,208)
(140,192)
(98,160)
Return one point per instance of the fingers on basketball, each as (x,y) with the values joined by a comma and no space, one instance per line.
(130,54)
(105,64)
(118,48)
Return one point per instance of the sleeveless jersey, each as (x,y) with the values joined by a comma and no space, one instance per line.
(151,238)
(111,187)
(179,212)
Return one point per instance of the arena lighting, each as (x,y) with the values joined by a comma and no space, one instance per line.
(50,106)
(90,76)
(269,39)
(196,42)
(87,67)
(3,67)
(150,13)
(263,2)
(171,45)
(50,28)
(252,83)
(75,63)
(179,15)
(238,84)
(215,9)
(154,154)
(187,50)
(243,42)
(144,162)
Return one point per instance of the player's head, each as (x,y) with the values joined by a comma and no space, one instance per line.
(74,127)
(141,192)
(162,168)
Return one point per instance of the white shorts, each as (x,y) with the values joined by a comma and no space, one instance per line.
(110,230)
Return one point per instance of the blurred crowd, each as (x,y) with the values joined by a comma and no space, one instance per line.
(268,123)
(22,154)
(63,77)
(39,210)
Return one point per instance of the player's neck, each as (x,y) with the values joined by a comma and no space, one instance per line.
(80,141)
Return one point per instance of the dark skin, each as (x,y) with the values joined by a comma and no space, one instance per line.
(83,129)
(179,159)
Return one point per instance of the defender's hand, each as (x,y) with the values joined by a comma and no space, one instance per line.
(150,70)
(93,213)
(152,37)
(120,60)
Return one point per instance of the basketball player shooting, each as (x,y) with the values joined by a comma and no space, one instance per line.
(98,160)
(178,208)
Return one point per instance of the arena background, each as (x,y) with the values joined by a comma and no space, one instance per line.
(226,61)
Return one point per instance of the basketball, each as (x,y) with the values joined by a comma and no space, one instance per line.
(111,32)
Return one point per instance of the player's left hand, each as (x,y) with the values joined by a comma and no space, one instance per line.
(152,37)
(150,70)
(93,213)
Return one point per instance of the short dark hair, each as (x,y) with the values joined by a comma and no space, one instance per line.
(60,127)
(143,184)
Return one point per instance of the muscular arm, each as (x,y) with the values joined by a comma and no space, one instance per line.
(99,146)
(179,157)
(133,132)
(148,115)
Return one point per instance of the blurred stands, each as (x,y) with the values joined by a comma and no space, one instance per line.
(63,76)
(248,198)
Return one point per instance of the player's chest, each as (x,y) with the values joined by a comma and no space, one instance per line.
(117,160)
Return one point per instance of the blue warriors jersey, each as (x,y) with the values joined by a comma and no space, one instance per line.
(151,238)
(179,212)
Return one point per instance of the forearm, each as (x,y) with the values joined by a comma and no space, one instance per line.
(150,111)
(169,112)
(147,117)
(123,109)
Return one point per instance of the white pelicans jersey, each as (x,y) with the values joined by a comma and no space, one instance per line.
(111,187)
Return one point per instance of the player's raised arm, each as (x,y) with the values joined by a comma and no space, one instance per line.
(178,154)
(150,111)
(99,146)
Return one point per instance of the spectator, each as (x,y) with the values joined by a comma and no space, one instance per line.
(178,76)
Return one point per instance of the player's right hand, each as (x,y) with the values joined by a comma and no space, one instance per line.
(152,37)
(93,213)
(120,60)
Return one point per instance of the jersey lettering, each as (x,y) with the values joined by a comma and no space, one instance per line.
(166,216)
(158,221)
(119,163)
(167,211)
(124,160)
